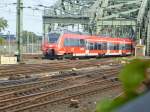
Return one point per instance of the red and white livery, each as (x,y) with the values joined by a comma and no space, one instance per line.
(83,45)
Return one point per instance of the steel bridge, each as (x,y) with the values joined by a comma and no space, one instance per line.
(115,18)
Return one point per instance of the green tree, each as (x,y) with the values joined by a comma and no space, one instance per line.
(29,37)
(2,41)
(3,24)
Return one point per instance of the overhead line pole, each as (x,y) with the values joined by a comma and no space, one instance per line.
(19,28)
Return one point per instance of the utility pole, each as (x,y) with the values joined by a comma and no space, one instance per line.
(19,28)
(9,43)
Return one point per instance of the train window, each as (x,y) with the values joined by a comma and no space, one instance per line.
(53,37)
(71,42)
(99,46)
(104,46)
(95,46)
(128,47)
(111,46)
(132,47)
(74,42)
(122,47)
(82,42)
(66,42)
(91,46)
(116,46)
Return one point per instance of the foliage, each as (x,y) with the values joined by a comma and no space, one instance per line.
(2,41)
(3,24)
(131,77)
(29,37)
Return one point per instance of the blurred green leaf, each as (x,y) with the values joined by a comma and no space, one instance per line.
(108,105)
(133,75)
(104,106)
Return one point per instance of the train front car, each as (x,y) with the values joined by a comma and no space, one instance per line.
(69,45)
(50,45)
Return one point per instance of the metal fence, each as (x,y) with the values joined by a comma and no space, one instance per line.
(34,48)
(31,49)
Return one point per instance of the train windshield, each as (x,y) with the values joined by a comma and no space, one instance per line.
(53,37)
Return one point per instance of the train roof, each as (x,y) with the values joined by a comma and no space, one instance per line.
(110,39)
(91,37)
(84,35)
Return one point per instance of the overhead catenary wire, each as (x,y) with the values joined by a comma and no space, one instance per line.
(31,11)
(33,8)
(46,5)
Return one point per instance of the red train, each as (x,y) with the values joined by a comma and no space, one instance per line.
(84,45)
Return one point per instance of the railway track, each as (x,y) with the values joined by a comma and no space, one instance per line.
(16,91)
(27,69)
(16,82)
(49,80)
(57,94)
(36,94)
(29,96)
(66,99)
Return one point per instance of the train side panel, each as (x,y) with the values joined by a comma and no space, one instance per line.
(85,45)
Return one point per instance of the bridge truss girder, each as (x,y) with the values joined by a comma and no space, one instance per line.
(76,10)
(128,17)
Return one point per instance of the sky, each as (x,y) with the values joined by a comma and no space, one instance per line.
(32,20)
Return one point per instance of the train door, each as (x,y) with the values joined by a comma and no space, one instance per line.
(123,48)
(87,51)
(104,48)
(80,50)
(108,48)
(116,49)
(120,49)
(113,48)
(91,49)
